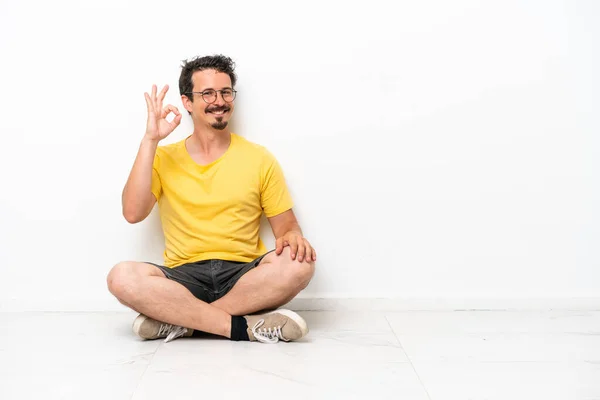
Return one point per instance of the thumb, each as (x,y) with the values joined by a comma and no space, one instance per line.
(176,121)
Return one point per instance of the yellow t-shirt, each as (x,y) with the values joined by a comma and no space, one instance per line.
(213,211)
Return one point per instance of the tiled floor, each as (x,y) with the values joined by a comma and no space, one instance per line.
(401,355)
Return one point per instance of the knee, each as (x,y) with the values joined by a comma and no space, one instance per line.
(121,280)
(298,274)
(304,273)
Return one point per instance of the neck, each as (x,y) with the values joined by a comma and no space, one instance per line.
(207,140)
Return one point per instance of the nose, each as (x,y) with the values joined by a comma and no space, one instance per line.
(220,99)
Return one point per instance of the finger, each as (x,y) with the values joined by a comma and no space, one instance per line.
(309,251)
(149,103)
(279,246)
(153,98)
(176,121)
(169,108)
(163,92)
(294,248)
(301,250)
(161,96)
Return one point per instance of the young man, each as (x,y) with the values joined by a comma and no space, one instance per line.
(211,189)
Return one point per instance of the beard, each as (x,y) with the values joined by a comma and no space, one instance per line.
(219,125)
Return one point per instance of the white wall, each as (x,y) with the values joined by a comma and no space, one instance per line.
(434,149)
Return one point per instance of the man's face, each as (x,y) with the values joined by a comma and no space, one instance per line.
(218,113)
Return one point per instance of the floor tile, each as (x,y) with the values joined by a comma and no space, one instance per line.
(501,347)
(40,341)
(114,382)
(347,355)
(514,381)
(498,336)
(318,346)
(266,378)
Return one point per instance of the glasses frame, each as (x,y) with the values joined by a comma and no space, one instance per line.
(216,95)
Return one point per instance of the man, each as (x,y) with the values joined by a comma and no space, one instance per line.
(211,189)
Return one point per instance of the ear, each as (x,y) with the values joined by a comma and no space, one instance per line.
(187,103)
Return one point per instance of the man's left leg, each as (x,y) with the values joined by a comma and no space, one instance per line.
(273,283)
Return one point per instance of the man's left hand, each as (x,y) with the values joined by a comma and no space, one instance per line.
(299,246)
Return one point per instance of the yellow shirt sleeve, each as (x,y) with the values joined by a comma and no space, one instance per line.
(274,195)
(156,184)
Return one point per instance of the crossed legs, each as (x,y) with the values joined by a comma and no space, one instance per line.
(145,289)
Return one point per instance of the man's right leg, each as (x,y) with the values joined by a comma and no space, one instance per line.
(144,288)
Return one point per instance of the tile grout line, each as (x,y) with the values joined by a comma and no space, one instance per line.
(407,356)
(145,370)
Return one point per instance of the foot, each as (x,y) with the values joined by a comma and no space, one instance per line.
(148,328)
(278,325)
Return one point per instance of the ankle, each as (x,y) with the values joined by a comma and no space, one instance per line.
(239,329)
(227,329)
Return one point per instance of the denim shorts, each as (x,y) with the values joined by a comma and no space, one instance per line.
(209,280)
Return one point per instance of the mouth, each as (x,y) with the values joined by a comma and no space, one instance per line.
(218,112)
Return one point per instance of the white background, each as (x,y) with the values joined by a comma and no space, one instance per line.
(434,149)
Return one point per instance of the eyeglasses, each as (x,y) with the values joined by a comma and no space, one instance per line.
(210,95)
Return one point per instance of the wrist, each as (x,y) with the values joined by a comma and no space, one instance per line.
(150,140)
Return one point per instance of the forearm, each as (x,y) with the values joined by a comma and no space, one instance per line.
(291,226)
(137,197)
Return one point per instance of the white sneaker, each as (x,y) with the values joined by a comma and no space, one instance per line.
(278,325)
(148,328)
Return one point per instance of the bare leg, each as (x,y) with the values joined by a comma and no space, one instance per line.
(274,282)
(144,288)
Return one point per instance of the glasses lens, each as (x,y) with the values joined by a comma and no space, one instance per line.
(209,96)
(228,95)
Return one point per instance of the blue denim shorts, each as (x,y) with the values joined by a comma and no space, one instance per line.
(209,280)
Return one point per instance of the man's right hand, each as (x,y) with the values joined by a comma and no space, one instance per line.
(157,127)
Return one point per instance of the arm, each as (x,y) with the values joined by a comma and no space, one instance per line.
(288,233)
(137,198)
(284,223)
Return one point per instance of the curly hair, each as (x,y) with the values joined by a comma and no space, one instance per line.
(217,62)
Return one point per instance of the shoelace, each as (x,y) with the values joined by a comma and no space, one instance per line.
(172,331)
(264,335)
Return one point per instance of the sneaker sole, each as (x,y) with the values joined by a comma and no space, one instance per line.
(294,317)
(137,324)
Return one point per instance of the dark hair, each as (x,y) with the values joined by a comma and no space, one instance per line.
(217,62)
